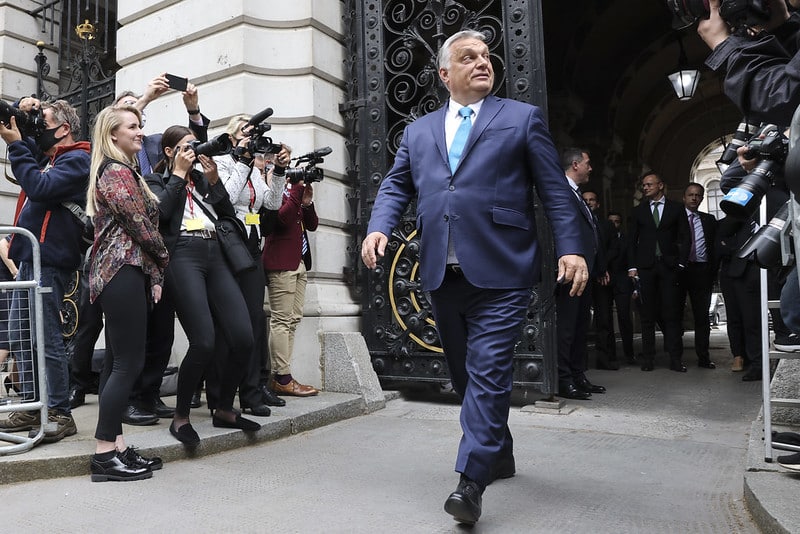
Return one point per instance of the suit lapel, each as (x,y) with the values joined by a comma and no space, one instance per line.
(489,109)
(439,134)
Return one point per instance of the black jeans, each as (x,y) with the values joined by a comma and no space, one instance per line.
(160,336)
(90,324)
(208,302)
(252,285)
(124,302)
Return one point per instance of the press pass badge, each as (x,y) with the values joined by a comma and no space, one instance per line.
(252,218)
(192,225)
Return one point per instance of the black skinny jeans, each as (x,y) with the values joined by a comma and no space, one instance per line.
(124,302)
(253,287)
(208,300)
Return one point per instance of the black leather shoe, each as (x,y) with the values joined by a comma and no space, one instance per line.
(678,367)
(568,390)
(77,397)
(269,397)
(505,467)
(260,410)
(162,410)
(117,469)
(137,417)
(585,385)
(464,504)
(195,402)
(185,434)
(240,422)
(707,364)
(132,457)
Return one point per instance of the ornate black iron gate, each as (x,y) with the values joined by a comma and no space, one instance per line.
(393,80)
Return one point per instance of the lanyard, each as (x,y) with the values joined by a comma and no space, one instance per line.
(189,197)
(252,194)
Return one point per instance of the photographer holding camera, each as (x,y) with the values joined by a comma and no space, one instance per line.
(286,259)
(52,168)
(252,189)
(762,68)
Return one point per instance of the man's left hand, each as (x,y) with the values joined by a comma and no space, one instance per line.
(572,268)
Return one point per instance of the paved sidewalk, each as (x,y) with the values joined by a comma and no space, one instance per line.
(660,452)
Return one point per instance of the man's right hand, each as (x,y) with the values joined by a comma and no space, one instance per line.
(157,87)
(29,104)
(372,248)
(713,30)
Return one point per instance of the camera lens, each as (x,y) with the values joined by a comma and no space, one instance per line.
(742,201)
(688,11)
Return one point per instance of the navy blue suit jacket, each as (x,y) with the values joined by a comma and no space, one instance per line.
(487,204)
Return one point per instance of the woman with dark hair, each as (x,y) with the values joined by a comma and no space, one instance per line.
(126,274)
(207,299)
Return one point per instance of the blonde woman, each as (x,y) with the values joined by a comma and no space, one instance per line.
(126,275)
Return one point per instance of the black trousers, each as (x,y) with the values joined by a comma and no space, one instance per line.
(660,302)
(743,308)
(603,305)
(696,283)
(208,302)
(160,337)
(124,302)
(81,346)
(572,322)
(252,285)
(623,290)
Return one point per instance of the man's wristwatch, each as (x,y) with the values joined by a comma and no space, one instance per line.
(193,111)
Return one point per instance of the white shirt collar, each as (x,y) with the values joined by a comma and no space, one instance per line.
(453,107)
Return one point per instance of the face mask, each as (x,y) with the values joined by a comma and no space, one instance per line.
(48,139)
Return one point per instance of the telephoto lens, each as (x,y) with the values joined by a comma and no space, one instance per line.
(764,247)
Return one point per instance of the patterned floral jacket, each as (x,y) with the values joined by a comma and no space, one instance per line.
(125,229)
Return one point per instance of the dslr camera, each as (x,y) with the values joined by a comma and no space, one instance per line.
(213,147)
(310,173)
(739,14)
(30,124)
(771,147)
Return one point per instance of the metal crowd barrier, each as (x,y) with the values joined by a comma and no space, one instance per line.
(26,339)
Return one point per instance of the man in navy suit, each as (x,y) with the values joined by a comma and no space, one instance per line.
(479,255)
(659,250)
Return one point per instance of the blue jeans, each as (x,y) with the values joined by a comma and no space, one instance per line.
(23,341)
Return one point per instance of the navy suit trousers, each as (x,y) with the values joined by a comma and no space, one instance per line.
(478,329)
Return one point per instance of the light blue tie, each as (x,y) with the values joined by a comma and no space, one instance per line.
(457,146)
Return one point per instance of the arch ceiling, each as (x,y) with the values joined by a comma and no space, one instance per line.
(607,67)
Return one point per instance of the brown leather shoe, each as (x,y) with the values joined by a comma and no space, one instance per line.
(294,389)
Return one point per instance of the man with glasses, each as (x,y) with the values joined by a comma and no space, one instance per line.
(659,250)
(52,168)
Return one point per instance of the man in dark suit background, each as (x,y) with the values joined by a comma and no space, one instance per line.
(573,314)
(472,166)
(659,249)
(697,280)
(621,283)
(605,341)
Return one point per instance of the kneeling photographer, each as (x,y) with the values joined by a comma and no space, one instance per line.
(286,258)
(53,169)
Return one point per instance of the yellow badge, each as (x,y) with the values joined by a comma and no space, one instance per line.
(192,225)
(252,218)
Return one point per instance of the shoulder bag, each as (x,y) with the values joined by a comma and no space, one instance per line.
(231,236)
